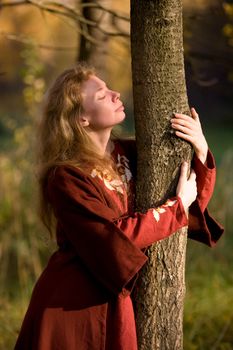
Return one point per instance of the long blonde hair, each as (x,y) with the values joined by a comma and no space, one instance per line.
(62,139)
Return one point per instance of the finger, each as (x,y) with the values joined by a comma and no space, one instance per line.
(183,172)
(192,175)
(185,129)
(184,119)
(185,122)
(194,114)
(182,116)
(185,137)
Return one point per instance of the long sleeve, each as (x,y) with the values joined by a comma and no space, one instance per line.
(206,177)
(156,224)
(107,245)
(202,226)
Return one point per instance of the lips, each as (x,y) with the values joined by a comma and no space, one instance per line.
(121,107)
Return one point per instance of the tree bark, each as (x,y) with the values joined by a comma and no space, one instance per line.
(159,89)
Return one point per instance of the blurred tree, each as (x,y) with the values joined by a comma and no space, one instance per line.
(159,89)
(90,26)
(93,45)
(208,59)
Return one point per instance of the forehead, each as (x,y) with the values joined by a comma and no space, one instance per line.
(92,85)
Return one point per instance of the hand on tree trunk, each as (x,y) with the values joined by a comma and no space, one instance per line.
(187,187)
(189,129)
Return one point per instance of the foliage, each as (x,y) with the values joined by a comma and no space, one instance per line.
(32,77)
(208,321)
(228,27)
(208,317)
(10,318)
(21,251)
(21,247)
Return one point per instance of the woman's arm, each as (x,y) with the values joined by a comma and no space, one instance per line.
(71,191)
(202,226)
(144,229)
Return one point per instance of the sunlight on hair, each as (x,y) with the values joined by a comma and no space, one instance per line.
(62,140)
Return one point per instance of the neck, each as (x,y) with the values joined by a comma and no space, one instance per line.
(101,140)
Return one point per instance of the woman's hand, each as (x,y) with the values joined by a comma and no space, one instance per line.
(189,129)
(187,187)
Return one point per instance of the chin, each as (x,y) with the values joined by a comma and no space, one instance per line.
(122,117)
(119,118)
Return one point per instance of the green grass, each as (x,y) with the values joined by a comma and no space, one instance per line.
(208,317)
(11,312)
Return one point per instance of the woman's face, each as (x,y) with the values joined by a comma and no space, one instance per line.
(102,107)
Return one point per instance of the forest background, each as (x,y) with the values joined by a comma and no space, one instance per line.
(35,46)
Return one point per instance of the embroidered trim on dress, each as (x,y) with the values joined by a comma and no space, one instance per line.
(111,183)
(123,169)
(160,210)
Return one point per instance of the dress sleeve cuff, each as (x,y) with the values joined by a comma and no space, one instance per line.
(203,227)
(208,166)
(206,176)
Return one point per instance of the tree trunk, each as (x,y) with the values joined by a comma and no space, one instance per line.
(94,51)
(158,90)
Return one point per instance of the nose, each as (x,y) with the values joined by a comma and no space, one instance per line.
(115,96)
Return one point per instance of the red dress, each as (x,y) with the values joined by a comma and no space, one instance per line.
(82,299)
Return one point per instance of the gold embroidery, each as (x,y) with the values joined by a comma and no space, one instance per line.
(111,183)
(123,169)
(160,210)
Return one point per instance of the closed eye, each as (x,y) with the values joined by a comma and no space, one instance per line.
(101,98)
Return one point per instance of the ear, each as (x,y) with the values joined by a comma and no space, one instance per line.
(83,120)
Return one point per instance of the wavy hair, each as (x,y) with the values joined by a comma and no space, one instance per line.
(62,139)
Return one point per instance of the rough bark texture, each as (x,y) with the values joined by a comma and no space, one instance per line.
(94,52)
(159,89)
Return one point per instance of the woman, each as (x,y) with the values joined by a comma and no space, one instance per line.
(82,299)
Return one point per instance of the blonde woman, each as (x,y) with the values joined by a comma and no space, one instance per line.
(82,299)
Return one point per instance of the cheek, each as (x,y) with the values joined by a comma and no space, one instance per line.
(102,111)
(101,116)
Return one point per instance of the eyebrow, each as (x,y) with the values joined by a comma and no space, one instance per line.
(101,88)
